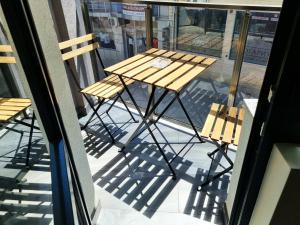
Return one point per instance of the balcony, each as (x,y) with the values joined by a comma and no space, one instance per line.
(132,186)
(135,186)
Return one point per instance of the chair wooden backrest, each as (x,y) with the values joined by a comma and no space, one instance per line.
(79,51)
(7,59)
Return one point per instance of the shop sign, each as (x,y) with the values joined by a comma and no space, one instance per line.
(134,10)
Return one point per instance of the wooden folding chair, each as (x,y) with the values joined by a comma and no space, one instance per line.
(106,89)
(223,126)
(10,108)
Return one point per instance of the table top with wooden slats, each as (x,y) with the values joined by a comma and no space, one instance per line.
(182,69)
(107,88)
(11,107)
(224,124)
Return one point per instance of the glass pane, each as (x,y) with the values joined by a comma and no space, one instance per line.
(120,29)
(198,31)
(201,30)
(7,86)
(260,37)
(4,90)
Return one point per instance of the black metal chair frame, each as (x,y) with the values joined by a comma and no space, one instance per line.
(4,125)
(223,149)
(96,107)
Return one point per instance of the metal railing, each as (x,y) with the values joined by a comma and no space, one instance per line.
(254,7)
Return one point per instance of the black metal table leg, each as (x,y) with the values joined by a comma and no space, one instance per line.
(165,109)
(150,100)
(188,117)
(144,119)
(25,124)
(144,122)
(186,144)
(176,97)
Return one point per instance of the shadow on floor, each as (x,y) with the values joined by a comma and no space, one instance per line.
(22,201)
(140,177)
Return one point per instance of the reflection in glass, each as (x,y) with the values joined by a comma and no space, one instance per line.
(201,30)
(261,32)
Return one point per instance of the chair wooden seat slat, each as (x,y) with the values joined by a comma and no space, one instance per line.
(223,124)
(108,87)
(11,107)
(210,120)
(230,124)
(7,59)
(16,100)
(98,85)
(239,126)
(220,121)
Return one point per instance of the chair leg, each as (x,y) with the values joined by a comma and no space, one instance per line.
(93,114)
(20,140)
(209,179)
(218,149)
(29,146)
(96,113)
(18,146)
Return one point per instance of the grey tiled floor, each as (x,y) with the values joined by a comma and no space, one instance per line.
(134,187)
(137,182)
(29,201)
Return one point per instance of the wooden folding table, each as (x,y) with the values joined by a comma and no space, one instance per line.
(181,70)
